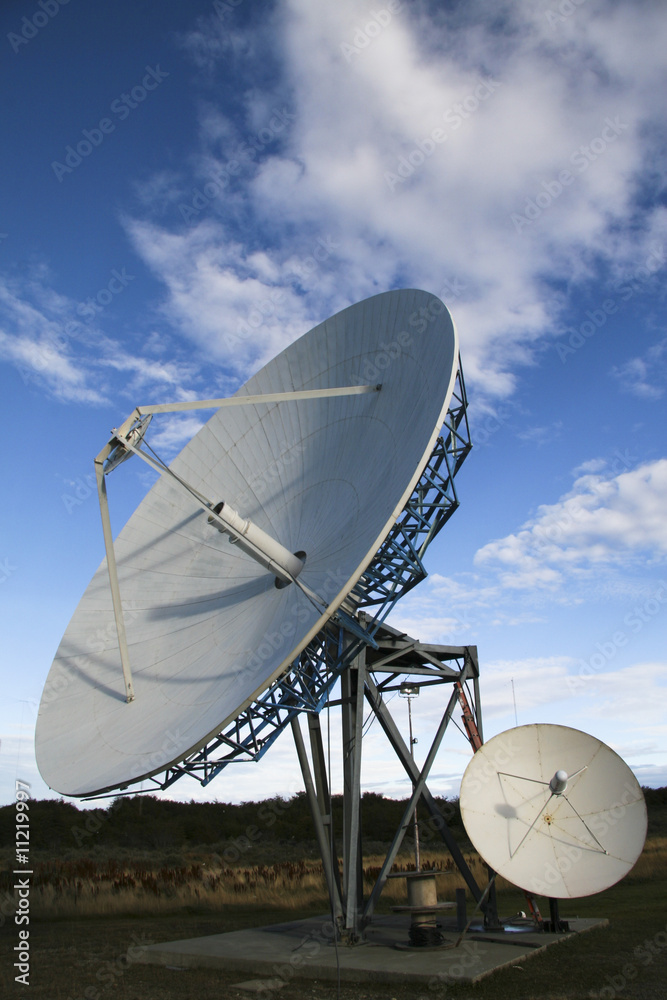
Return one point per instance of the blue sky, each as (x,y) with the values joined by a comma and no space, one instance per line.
(170,170)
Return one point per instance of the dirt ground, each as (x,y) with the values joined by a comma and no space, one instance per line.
(92,959)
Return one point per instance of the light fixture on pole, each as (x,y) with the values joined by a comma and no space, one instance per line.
(410,691)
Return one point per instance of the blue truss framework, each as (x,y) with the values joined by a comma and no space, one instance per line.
(396,568)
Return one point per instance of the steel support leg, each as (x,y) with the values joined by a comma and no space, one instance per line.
(402,752)
(322,789)
(352,694)
(322,838)
(478,706)
(417,791)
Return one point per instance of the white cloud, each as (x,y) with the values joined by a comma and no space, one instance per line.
(43,336)
(447,225)
(165,376)
(633,694)
(541,435)
(35,338)
(646,374)
(238,307)
(538,681)
(169,433)
(600,522)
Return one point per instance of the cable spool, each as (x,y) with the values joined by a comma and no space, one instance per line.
(425,936)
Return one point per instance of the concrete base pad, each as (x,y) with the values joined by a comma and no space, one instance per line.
(305,949)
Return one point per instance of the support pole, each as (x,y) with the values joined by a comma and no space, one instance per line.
(113,579)
(417,791)
(472,652)
(322,838)
(391,730)
(352,696)
(322,789)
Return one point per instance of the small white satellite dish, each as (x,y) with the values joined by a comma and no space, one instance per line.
(306,479)
(553,810)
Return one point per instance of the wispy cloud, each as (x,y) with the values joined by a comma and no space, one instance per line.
(646,374)
(169,432)
(446,223)
(239,307)
(43,335)
(36,337)
(149,375)
(601,522)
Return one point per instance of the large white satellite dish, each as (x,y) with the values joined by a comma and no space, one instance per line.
(323,480)
(553,810)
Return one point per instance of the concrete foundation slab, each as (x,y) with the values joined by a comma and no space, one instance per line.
(305,949)
(259,985)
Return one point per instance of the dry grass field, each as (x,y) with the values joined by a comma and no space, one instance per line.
(87,888)
(89,917)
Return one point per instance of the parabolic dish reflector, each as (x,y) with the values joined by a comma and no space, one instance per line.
(553,810)
(207,629)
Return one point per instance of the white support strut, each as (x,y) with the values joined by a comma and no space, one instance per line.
(250,545)
(113,574)
(268,397)
(255,542)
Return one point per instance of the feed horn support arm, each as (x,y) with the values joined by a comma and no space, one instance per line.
(256,543)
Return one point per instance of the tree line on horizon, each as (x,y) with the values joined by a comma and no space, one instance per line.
(149,823)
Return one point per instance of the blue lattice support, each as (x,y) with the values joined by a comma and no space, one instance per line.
(396,568)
